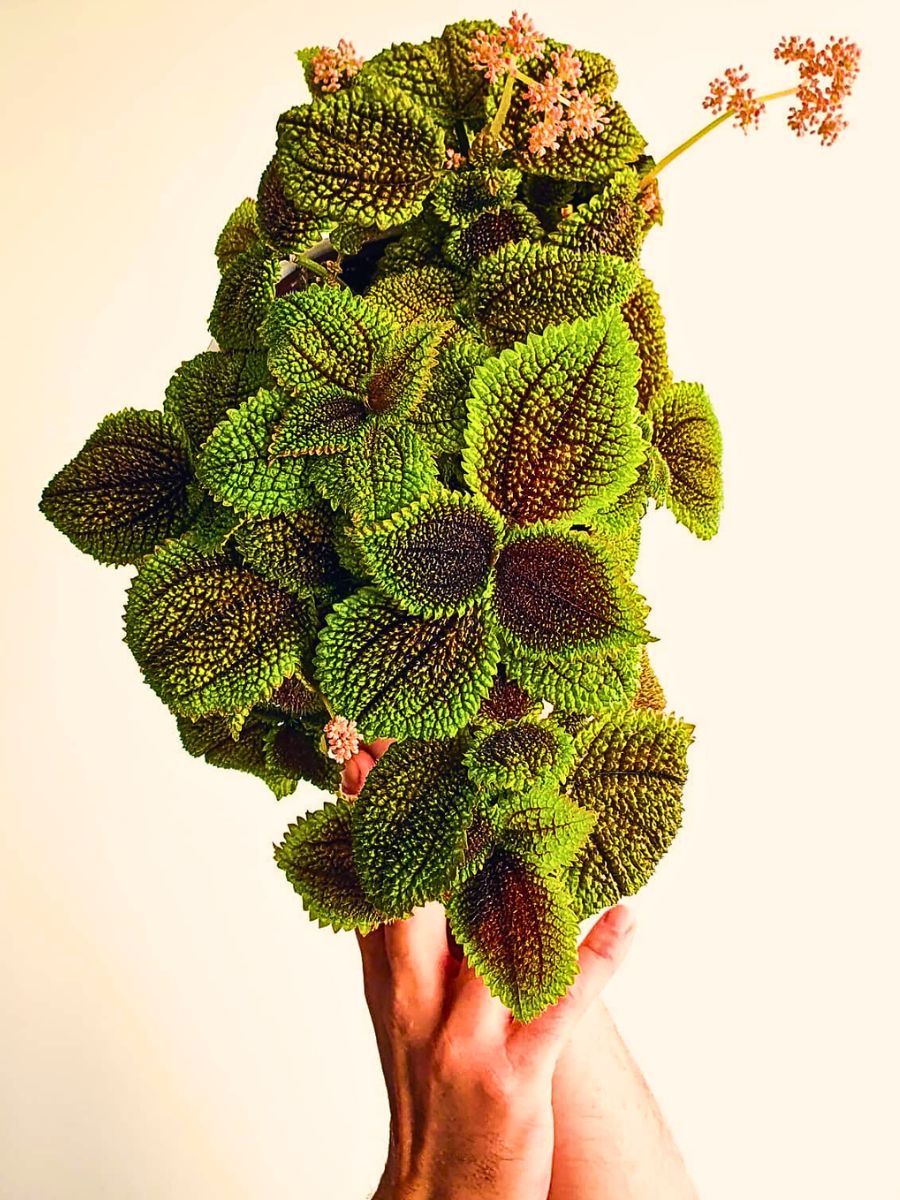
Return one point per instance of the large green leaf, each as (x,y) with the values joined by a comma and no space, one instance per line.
(686,433)
(359,157)
(630,771)
(557,592)
(211,738)
(203,389)
(426,293)
(211,636)
(127,489)
(245,294)
(586,682)
(434,557)
(409,823)
(317,858)
(552,429)
(234,464)
(526,286)
(402,676)
(518,932)
(522,755)
(388,468)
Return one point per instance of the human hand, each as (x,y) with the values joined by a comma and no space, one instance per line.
(469,1087)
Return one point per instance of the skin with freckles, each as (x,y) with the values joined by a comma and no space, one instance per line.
(483,1106)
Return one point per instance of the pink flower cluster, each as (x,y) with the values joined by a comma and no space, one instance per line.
(332,68)
(498,54)
(826,79)
(342,739)
(732,94)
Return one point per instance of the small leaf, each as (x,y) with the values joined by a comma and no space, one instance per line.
(127,489)
(506,701)
(361,158)
(466,247)
(527,754)
(295,697)
(440,418)
(427,293)
(590,159)
(409,823)
(212,526)
(211,636)
(527,286)
(649,693)
(542,826)
(643,316)
(584,683)
(388,468)
(464,195)
(325,335)
(234,464)
(317,858)
(399,382)
(556,592)
(324,421)
(241,233)
(293,751)
(610,221)
(630,771)
(687,435)
(518,932)
(434,557)
(245,294)
(290,229)
(552,429)
(203,389)
(211,738)
(294,549)
(402,676)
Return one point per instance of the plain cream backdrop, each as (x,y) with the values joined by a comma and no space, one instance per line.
(171,1025)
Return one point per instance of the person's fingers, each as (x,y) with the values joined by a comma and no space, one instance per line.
(376,973)
(378,747)
(474,1012)
(355,771)
(599,957)
(418,957)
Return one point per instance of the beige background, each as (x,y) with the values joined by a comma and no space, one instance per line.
(172,1025)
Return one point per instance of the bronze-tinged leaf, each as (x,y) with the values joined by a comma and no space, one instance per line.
(686,433)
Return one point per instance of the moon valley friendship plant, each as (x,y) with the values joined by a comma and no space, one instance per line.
(402,499)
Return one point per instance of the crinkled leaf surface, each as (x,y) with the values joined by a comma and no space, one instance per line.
(212,526)
(686,433)
(245,294)
(630,771)
(588,681)
(591,159)
(324,421)
(650,693)
(409,823)
(317,858)
(234,463)
(527,286)
(420,293)
(610,221)
(241,233)
(203,389)
(293,750)
(211,738)
(294,549)
(403,676)
(440,418)
(386,469)
(518,932)
(644,318)
(479,239)
(541,826)
(360,157)
(287,227)
(434,557)
(556,592)
(522,755)
(552,430)
(127,489)
(211,636)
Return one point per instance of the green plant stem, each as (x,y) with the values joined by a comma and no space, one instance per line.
(503,108)
(701,133)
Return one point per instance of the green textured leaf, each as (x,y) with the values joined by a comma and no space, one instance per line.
(127,489)
(245,294)
(362,158)
(325,421)
(212,526)
(649,693)
(518,932)
(211,636)
(434,557)
(234,464)
(293,751)
(440,418)
(542,826)
(464,195)
(527,754)
(211,738)
(556,592)
(317,858)
(326,335)
(552,429)
(409,823)
(402,676)
(388,468)
(291,230)
(437,74)
(294,549)
(203,389)
(686,433)
(525,287)
(418,245)
(296,698)
(610,221)
(241,233)
(630,772)
(427,293)
(466,247)
(586,682)
(644,318)
(506,701)
(399,382)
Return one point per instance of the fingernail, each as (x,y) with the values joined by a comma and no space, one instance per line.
(619,919)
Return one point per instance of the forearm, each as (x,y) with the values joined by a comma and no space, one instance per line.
(610,1139)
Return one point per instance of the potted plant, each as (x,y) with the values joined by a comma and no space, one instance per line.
(394,513)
